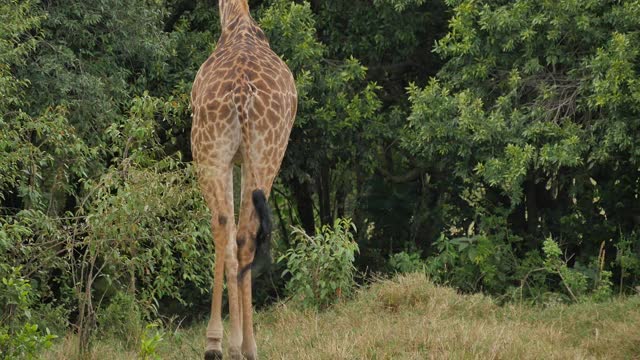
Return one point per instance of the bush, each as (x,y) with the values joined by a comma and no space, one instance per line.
(406,262)
(122,319)
(152,336)
(628,248)
(474,262)
(574,282)
(577,280)
(321,267)
(19,337)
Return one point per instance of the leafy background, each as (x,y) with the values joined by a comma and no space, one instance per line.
(491,144)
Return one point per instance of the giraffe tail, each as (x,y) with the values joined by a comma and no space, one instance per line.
(243,92)
(263,237)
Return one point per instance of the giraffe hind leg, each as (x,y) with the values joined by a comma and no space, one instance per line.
(253,233)
(217,185)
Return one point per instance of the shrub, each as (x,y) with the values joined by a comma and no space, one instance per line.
(321,267)
(628,248)
(406,262)
(152,336)
(122,319)
(574,282)
(476,261)
(577,280)
(19,337)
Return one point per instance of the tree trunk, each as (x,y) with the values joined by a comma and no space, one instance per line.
(341,200)
(315,5)
(304,204)
(324,194)
(283,228)
(532,209)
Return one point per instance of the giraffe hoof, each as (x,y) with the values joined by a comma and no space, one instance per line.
(213,355)
(249,350)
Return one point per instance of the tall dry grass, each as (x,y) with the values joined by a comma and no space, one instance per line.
(410,318)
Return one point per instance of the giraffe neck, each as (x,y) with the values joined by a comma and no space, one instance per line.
(232,9)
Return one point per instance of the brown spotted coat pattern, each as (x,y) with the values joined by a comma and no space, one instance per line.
(244,102)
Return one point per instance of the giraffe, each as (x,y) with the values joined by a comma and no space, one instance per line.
(244,102)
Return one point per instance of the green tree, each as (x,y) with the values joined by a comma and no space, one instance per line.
(529,127)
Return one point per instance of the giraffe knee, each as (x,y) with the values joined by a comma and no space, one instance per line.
(246,250)
(241,242)
(231,257)
(246,242)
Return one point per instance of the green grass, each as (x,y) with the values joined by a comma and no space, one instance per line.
(410,318)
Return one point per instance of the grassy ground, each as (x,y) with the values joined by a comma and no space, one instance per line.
(410,318)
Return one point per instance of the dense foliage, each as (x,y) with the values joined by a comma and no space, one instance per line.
(492,144)
(531,130)
(321,266)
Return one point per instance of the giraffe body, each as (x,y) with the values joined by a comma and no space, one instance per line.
(244,103)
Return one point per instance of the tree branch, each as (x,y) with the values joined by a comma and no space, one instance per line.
(404,178)
(180,8)
(315,5)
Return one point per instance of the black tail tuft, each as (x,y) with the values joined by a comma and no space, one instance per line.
(263,237)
